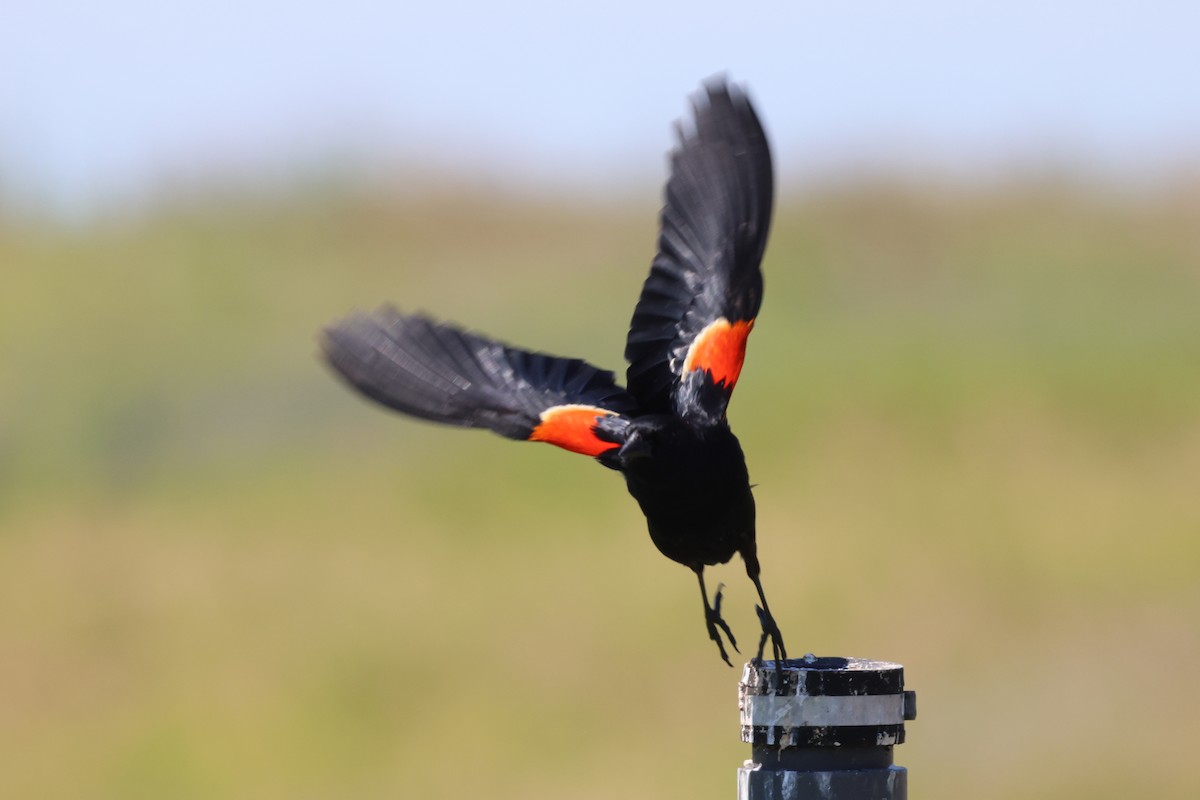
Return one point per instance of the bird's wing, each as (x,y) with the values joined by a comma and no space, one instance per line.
(442,373)
(687,339)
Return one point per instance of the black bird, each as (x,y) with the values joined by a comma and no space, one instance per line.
(667,432)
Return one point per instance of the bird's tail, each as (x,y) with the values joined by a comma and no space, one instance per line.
(438,372)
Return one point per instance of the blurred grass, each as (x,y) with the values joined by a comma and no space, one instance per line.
(973,415)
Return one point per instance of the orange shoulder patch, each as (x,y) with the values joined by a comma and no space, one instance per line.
(720,349)
(571,428)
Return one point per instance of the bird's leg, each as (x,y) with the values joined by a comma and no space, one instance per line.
(713,620)
(769,629)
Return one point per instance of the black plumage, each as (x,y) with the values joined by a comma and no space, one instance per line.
(713,231)
(668,433)
(442,373)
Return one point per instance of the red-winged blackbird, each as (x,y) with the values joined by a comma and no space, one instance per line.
(667,433)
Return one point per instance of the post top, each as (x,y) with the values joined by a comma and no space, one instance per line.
(831,676)
(823,702)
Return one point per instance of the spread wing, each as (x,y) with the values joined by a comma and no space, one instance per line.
(687,339)
(442,373)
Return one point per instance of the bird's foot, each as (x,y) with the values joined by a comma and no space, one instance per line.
(770,631)
(714,621)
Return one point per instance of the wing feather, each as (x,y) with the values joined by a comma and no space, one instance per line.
(442,373)
(712,235)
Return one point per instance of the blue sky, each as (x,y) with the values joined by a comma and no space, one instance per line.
(100,99)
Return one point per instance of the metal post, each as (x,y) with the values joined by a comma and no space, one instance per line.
(823,728)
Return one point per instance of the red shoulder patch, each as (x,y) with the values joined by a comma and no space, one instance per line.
(572,427)
(720,349)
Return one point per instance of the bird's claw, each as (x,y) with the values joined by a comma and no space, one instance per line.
(714,621)
(770,631)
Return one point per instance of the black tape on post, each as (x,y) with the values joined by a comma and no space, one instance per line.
(823,728)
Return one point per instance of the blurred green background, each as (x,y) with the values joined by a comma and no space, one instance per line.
(972,411)
(971,403)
